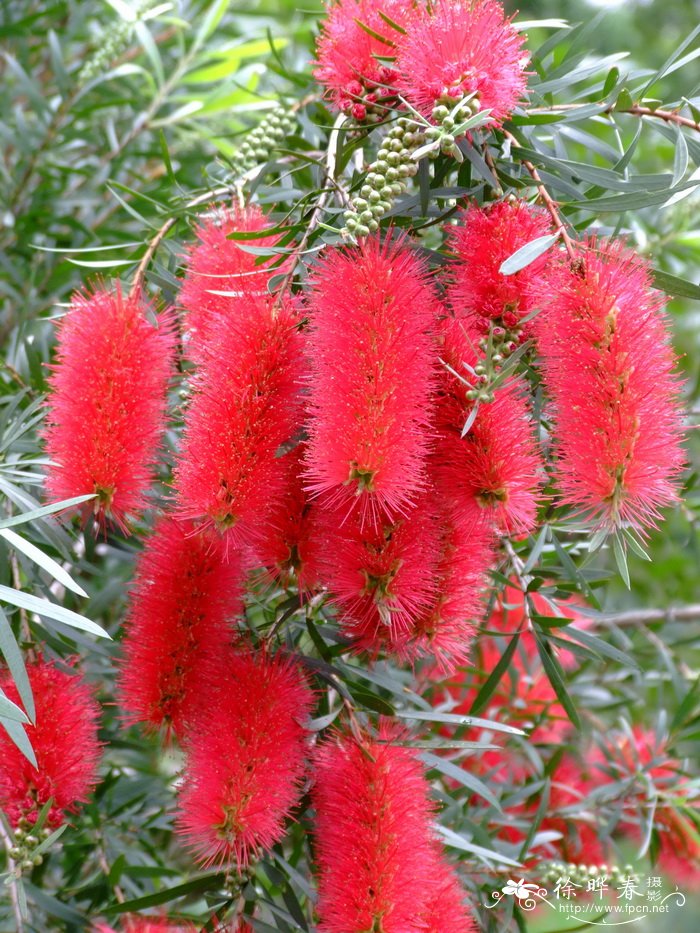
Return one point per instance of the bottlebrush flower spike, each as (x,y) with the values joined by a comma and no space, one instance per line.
(245,763)
(484,239)
(458,48)
(148,925)
(65,743)
(186,593)
(497,463)
(381,576)
(446,630)
(284,550)
(373,837)
(445,910)
(219,264)
(348,56)
(608,367)
(245,405)
(107,405)
(371,377)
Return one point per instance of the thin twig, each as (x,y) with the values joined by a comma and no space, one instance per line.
(636,110)
(548,202)
(523,579)
(637,617)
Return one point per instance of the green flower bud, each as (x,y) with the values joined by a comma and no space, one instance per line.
(393,158)
(381,167)
(382,155)
(366,216)
(359,204)
(372,225)
(397,188)
(374,197)
(440,112)
(362,230)
(366,190)
(391,174)
(37,860)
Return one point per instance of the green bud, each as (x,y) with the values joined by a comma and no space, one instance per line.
(16,853)
(374,197)
(360,204)
(381,167)
(440,112)
(385,206)
(448,123)
(404,171)
(366,190)
(375,180)
(366,216)
(37,860)
(372,225)
(27,864)
(20,833)
(433,132)
(397,189)
(32,841)
(391,174)
(393,158)
(397,145)
(382,154)
(386,192)
(362,230)
(350,221)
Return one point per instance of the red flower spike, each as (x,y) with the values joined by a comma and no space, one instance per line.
(245,758)
(65,743)
(348,64)
(446,630)
(136,924)
(608,367)
(462,47)
(381,577)
(445,910)
(497,464)
(285,549)
(219,264)
(486,237)
(373,837)
(245,406)
(371,377)
(107,405)
(186,593)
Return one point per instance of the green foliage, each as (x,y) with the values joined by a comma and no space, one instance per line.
(114,128)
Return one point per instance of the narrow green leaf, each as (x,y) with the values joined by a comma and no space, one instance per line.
(15,663)
(455,841)
(462,776)
(621,559)
(456,719)
(194,886)
(555,675)
(484,695)
(43,560)
(48,610)
(10,710)
(675,286)
(43,511)
(537,820)
(16,732)
(527,254)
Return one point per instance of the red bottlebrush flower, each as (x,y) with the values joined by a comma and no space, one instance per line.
(409,587)
(245,405)
(509,617)
(608,368)
(445,910)
(186,593)
(136,924)
(371,377)
(486,237)
(348,56)
(446,630)
(65,743)
(462,47)
(245,764)
(106,409)
(285,549)
(218,264)
(581,842)
(373,838)
(497,463)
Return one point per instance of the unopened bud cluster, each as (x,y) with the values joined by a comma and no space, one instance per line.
(112,42)
(582,874)
(268,135)
(447,116)
(386,179)
(503,342)
(26,840)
